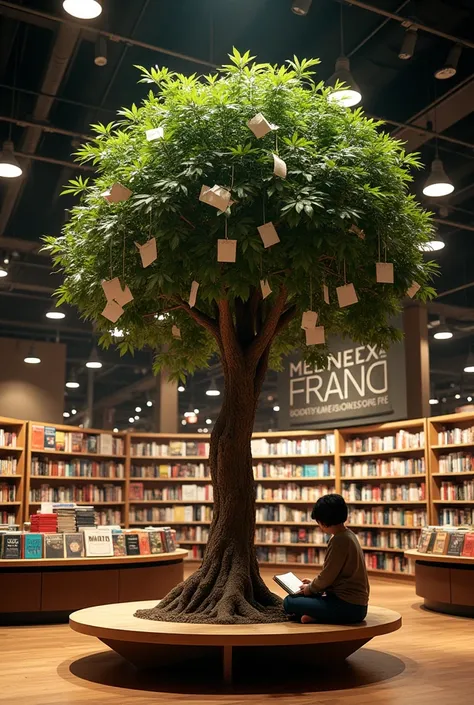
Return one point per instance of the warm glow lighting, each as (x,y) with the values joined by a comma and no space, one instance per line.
(83,9)
(138,409)
(349,93)
(181,388)
(116,430)
(187,414)
(438,183)
(9,166)
(434,401)
(66,414)
(276,408)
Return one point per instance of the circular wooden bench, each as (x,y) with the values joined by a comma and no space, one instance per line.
(149,644)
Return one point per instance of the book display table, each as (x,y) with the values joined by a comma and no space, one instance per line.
(150,644)
(446,583)
(53,588)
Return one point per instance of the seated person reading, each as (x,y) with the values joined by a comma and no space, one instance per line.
(340,593)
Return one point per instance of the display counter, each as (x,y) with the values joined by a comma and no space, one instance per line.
(446,583)
(50,589)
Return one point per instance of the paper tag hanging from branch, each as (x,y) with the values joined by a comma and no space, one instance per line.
(384,272)
(113,292)
(260,126)
(309,319)
(357,231)
(265,287)
(325,294)
(217,196)
(117,193)
(193,294)
(112,311)
(175,332)
(279,167)
(346,295)
(226,250)
(413,290)
(148,252)
(315,336)
(268,234)
(155,134)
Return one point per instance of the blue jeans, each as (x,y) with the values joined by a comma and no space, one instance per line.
(325,609)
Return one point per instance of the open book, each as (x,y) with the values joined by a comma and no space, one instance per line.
(289,582)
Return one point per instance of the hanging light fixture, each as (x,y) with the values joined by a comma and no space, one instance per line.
(9,166)
(301,7)
(149,402)
(450,67)
(116,429)
(83,9)
(434,401)
(138,409)
(181,388)
(3,271)
(213,391)
(32,357)
(443,331)
(100,58)
(434,244)
(56,314)
(408,45)
(94,363)
(469,366)
(131,419)
(350,94)
(438,182)
(72,382)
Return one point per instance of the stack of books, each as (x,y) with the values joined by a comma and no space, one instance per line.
(85,518)
(66,519)
(44,523)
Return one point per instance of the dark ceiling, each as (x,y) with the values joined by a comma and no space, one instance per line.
(49,58)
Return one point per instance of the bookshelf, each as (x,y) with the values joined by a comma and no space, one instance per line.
(12,469)
(82,465)
(451,441)
(385,481)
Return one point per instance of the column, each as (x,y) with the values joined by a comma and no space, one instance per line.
(166,404)
(417,354)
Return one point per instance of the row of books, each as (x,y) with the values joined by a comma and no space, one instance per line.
(388,492)
(178,449)
(268,554)
(457,491)
(77,467)
(389,467)
(389,562)
(192,533)
(47,437)
(456,517)
(184,514)
(402,440)
(7,518)
(303,446)
(198,471)
(8,465)
(450,436)
(8,438)
(77,493)
(195,553)
(456,462)
(283,471)
(441,540)
(281,512)
(7,492)
(90,543)
(290,491)
(388,516)
(403,540)
(271,534)
(179,493)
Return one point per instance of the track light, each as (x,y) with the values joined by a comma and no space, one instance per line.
(9,166)
(94,362)
(443,332)
(449,69)
(408,45)
(438,182)
(72,382)
(56,314)
(301,7)
(434,244)
(32,358)
(83,9)
(213,391)
(349,94)
(100,58)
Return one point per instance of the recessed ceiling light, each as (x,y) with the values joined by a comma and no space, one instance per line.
(131,419)
(73,412)
(196,411)
(136,417)
(469,398)
(83,9)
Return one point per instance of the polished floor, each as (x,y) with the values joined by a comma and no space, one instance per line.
(429,661)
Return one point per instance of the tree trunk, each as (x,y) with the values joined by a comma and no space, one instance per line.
(227,588)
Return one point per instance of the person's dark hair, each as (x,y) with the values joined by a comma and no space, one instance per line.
(330,509)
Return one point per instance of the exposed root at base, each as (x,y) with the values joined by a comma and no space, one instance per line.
(228,612)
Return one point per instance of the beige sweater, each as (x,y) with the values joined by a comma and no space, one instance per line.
(344,573)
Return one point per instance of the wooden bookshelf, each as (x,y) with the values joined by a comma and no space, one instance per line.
(55,482)
(13,510)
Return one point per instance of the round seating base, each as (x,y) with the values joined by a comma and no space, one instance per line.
(148,644)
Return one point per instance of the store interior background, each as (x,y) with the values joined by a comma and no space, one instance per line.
(56,79)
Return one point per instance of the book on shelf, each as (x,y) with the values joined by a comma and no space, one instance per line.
(54,545)
(8,438)
(118,543)
(424,540)
(468,547)
(402,440)
(144,543)
(37,437)
(60,440)
(431,542)
(455,436)
(76,442)
(441,543)
(456,543)
(32,546)
(132,544)
(135,490)
(8,466)
(74,545)
(49,438)
(98,543)
(156,544)
(11,545)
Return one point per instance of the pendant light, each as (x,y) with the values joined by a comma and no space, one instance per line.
(443,332)
(438,183)
(94,363)
(469,366)
(213,391)
(100,58)
(83,9)
(56,314)
(350,94)
(301,7)
(32,357)
(408,46)
(450,67)
(3,271)
(434,244)
(9,166)
(71,381)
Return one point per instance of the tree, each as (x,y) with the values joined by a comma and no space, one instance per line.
(343,205)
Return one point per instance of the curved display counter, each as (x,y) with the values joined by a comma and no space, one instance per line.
(50,589)
(446,583)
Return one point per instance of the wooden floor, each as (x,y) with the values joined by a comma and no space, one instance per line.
(428,662)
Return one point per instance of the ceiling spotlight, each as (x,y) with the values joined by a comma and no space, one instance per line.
(131,419)
(3,271)
(184,422)
(138,409)
(457,396)
(181,388)
(149,402)
(213,391)
(94,362)
(9,166)
(56,314)
(276,408)
(434,244)
(451,66)
(443,332)
(100,58)
(73,412)
(72,382)
(32,358)
(66,414)
(433,401)
(301,7)
(116,430)
(408,46)
(348,94)
(83,9)
(137,418)
(469,366)
(438,182)
(208,421)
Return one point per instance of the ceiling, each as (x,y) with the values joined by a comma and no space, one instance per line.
(48,58)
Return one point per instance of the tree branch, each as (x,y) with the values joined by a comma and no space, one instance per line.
(285,318)
(202,318)
(267,333)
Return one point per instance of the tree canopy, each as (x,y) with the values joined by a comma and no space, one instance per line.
(342,171)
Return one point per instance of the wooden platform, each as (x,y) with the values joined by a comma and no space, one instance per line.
(147,644)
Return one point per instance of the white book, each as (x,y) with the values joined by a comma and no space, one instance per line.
(98,542)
